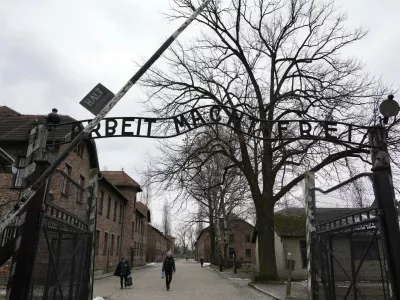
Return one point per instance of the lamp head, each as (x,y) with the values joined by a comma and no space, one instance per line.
(389,107)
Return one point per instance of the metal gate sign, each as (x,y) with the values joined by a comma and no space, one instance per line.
(97,99)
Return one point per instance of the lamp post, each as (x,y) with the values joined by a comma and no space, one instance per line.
(385,196)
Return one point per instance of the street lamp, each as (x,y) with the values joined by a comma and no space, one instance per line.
(389,108)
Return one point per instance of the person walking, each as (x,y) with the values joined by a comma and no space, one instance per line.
(168,268)
(123,270)
(202,261)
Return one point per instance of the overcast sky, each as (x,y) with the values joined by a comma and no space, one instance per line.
(52,53)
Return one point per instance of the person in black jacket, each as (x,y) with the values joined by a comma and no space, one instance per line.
(168,268)
(123,270)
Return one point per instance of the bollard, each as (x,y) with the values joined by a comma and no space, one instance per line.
(289,280)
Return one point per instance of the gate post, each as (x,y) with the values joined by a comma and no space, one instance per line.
(28,221)
(385,200)
(310,225)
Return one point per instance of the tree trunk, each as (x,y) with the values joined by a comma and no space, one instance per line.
(212,237)
(218,251)
(266,241)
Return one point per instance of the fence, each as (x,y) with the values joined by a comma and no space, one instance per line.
(347,249)
(62,262)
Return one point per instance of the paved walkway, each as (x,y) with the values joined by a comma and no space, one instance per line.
(189,283)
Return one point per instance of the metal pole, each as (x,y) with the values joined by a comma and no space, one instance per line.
(289,280)
(30,191)
(385,198)
(310,228)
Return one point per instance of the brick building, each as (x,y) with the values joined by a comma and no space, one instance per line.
(109,226)
(158,244)
(129,189)
(116,215)
(14,134)
(240,242)
(141,230)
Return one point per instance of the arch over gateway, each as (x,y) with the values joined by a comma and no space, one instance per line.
(161,128)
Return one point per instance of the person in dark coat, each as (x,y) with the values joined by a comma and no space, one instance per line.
(123,270)
(202,261)
(168,268)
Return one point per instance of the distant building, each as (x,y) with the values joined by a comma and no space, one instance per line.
(240,246)
(158,245)
(141,231)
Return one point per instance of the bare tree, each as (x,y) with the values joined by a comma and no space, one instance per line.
(146,187)
(274,60)
(166,219)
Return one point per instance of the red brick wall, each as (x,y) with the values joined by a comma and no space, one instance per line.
(108,260)
(80,167)
(203,246)
(157,245)
(128,234)
(140,240)
(241,230)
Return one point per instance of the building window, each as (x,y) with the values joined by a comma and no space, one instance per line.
(359,248)
(82,187)
(136,224)
(303,251)
(105,243)
(120,213)
(231,238)
(115,210)
(135,249)
(68,171)
(20,172)
(248,253)
(112,245)
(118,246)
(97,242)
(101,203)
(248,238)
(133,229)
(231,253)
(109,207)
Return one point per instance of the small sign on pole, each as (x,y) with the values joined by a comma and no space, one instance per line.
(97,99)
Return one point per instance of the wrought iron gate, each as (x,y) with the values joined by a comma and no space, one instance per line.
(62,261)
(348,257)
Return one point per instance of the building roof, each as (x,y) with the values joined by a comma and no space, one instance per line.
(113,187)
(291,222)
(144,210)
(15,127)
(120,178)
(158,231)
